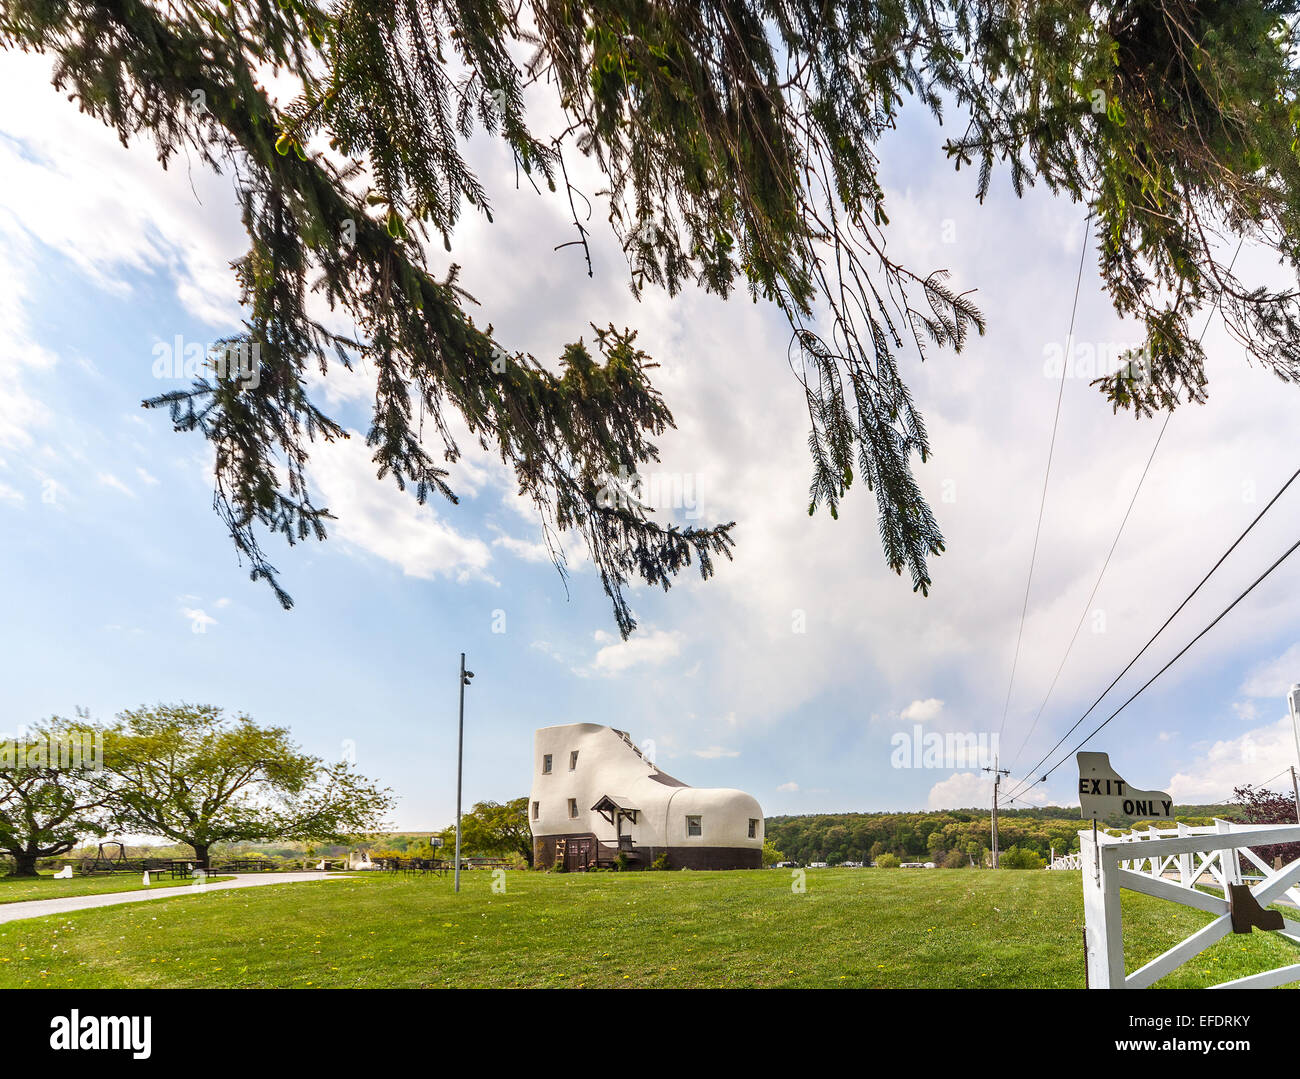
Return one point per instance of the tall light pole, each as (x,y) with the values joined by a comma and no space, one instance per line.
(465,676)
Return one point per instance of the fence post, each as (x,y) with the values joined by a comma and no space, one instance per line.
(1103,932)
(1184,860)
(1228,858)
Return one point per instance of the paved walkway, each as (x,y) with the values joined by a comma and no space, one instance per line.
(39,908)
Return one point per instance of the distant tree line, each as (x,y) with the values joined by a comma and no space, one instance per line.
(952,838)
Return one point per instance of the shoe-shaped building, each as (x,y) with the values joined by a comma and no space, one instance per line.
(595,796)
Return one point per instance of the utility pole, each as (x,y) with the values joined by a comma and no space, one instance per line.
(1293,702)
(465,676)
(998,773)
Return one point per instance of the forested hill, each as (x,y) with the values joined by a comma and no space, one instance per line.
(954,835)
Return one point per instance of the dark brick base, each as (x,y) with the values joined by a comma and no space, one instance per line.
(710,857)
(678,857)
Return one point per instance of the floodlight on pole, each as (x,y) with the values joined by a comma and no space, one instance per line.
(465,677)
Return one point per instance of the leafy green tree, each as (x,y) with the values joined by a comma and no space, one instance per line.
(771,856)
(741,146)
(1021,858)
(188,773)
(46,809)
(887,861)
(492,828)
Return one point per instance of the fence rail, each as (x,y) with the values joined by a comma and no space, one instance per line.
(1179,864)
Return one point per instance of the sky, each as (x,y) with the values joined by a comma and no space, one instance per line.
(795,673)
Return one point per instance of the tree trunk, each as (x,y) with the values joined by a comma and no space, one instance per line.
(24,864)
(201,857)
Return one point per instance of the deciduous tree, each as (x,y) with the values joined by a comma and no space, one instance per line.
(188,773)
(47,805)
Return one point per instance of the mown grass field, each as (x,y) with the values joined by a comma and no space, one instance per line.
(21,889)
(852,928)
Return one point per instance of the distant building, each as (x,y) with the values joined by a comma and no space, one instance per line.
(595,796)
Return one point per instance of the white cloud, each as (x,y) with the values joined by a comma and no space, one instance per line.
(9,494)
(715,752)
(1251,758)
(147,477)
(377,518)
(788,788)
(1246,711)
(134,216)
(107,479)
(1274,679)
(528,550)
(923,711)
(20,412)
(961,790)
(646,648)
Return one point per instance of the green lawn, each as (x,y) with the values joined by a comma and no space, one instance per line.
(21,889)
(877,928)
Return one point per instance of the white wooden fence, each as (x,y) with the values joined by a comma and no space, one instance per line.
(1169,863)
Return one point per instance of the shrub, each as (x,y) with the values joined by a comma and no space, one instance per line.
(661,862)
(1016,858)
(886,861)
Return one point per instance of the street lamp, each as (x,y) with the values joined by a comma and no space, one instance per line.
(465,677)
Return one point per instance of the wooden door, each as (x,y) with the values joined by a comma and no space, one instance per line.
(578,854)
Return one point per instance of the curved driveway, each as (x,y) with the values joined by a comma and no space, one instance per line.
(39,908)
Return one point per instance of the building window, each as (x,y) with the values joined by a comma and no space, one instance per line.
(546,765)
(573,808)
(753,828)
(537,810)
(573,760)
(694,825)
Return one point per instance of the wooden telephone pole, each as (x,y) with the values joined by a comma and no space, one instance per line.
(1295,786)
(998,773)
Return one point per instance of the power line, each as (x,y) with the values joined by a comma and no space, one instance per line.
(1177,611)
(1186,648)
(1093,595)
(1120,532)
(1270,779)
(1042,502)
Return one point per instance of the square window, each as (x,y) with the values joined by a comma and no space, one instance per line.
(694,825)
(537,810)
(753,828)
(573,760)
(546,765)
(573,808)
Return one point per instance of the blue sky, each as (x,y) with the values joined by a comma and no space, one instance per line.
(121,589)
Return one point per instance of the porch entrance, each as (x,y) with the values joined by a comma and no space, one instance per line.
(579,853)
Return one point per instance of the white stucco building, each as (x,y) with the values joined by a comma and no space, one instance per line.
(595,795)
